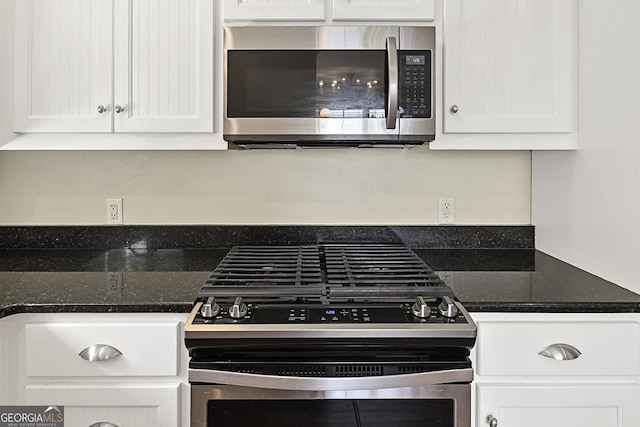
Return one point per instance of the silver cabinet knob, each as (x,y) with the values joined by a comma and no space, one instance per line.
(99,353)
(118,109)
(492,421)
(454,109)
(101,109)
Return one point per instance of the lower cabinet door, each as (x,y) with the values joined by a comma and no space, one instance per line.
(558,406)
(115,405)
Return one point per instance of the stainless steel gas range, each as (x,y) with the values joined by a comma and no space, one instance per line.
(328,335)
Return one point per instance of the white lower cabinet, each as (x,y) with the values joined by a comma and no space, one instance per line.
(593,380)
(557,370)
(116,404)
(558,405)
(123,369)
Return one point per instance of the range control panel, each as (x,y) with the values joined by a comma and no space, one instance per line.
(414,84)
(421,311)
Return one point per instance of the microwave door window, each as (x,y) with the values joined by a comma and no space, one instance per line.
(306,83)
(350,84)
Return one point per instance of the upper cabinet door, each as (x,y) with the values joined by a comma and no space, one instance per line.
(273,10)
(509,66)
(163,65)
(384,10)
(63,66)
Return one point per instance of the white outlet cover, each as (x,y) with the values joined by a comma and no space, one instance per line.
(446,210)
(114,211)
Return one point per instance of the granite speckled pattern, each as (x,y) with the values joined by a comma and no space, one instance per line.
(170,237)
(486,276)
(551,286)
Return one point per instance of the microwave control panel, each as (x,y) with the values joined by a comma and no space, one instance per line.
(414,84)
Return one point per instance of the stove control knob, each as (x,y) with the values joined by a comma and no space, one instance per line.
(210,308)
(448,308)
(420,308)
(238,309)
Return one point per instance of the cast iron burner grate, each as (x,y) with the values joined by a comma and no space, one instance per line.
(357,265)
(377,265)
(268,265)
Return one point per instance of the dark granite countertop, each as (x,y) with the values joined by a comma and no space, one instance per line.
(167,280)
(161,268)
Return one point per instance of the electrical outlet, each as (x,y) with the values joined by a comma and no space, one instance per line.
(114,283)
(446,212)
(114,211)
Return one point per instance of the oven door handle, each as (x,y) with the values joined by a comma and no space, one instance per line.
(325,384)
(392,95)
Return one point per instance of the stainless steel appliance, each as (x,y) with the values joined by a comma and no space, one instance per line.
(328,335)
(329,86)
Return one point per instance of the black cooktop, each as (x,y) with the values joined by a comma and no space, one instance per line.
(336,270)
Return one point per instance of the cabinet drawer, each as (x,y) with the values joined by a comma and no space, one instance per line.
(147,349)
(513,347)
(139,405)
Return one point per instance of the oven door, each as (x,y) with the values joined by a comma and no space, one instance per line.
(442,399)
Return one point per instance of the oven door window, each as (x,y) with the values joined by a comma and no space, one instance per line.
(306,83)
(334,412)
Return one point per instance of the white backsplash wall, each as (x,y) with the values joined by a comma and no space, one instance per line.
(363,186)
(586,204)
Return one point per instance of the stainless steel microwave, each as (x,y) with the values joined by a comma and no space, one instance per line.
(329,86)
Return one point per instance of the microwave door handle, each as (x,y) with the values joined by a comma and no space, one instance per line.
(392,95)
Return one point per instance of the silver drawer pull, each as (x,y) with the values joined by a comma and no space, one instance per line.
(560,352)
(103,424)
(100,352)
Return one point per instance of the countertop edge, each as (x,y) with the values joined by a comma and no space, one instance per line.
(616,307)
(177,307)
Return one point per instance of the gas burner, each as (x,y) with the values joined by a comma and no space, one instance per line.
(323,271)
(382,290)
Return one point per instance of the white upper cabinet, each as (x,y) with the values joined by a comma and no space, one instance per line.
(63,69)
(329,10)
(383,10)
(508,66)
(163,65)
(114,65)
(273,10)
